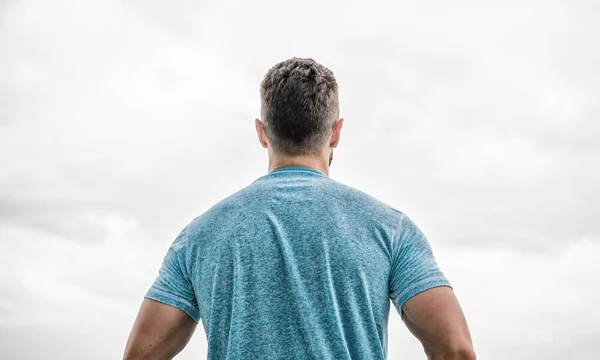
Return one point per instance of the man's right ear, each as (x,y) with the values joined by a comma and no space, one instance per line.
(260,131)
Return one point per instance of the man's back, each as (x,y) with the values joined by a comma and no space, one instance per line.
(297,266)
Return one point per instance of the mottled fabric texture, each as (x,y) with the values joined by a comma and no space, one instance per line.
(296,265)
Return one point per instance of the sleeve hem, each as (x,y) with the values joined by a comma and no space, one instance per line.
(174,301)
(417,288)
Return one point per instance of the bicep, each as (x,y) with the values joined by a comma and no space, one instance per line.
(436,319)
(169,312)
(160,332)
(414,268)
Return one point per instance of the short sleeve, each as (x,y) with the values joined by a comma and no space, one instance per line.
(414,268)
(172,285)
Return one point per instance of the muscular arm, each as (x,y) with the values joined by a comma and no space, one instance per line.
(436,319)
(160,332)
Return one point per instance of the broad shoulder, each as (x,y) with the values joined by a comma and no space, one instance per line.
(249,198)
(362,197)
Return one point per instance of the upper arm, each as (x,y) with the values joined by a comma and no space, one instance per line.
(160,332)
(169,313)
(436,319)
(413,268)
(423,295)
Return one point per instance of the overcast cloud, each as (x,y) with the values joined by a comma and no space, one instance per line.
(121,121)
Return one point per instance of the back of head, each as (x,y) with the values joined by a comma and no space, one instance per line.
(299,104)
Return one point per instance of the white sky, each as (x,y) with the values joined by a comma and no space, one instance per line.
(120,121)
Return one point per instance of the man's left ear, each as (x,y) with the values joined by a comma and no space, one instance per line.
(335,133)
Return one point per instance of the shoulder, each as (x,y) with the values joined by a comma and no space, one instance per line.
(340,196)
(365,199)
(225,210)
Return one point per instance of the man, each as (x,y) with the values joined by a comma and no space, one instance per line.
(297,265)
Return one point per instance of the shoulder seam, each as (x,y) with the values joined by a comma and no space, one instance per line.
(395,240)
(186,251)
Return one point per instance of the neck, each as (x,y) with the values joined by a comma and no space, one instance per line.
(319,164)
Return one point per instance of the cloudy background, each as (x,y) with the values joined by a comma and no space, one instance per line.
(120,121)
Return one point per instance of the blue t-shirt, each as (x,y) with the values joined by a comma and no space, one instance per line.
(296,265)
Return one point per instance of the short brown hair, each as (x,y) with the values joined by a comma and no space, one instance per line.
(299,104)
